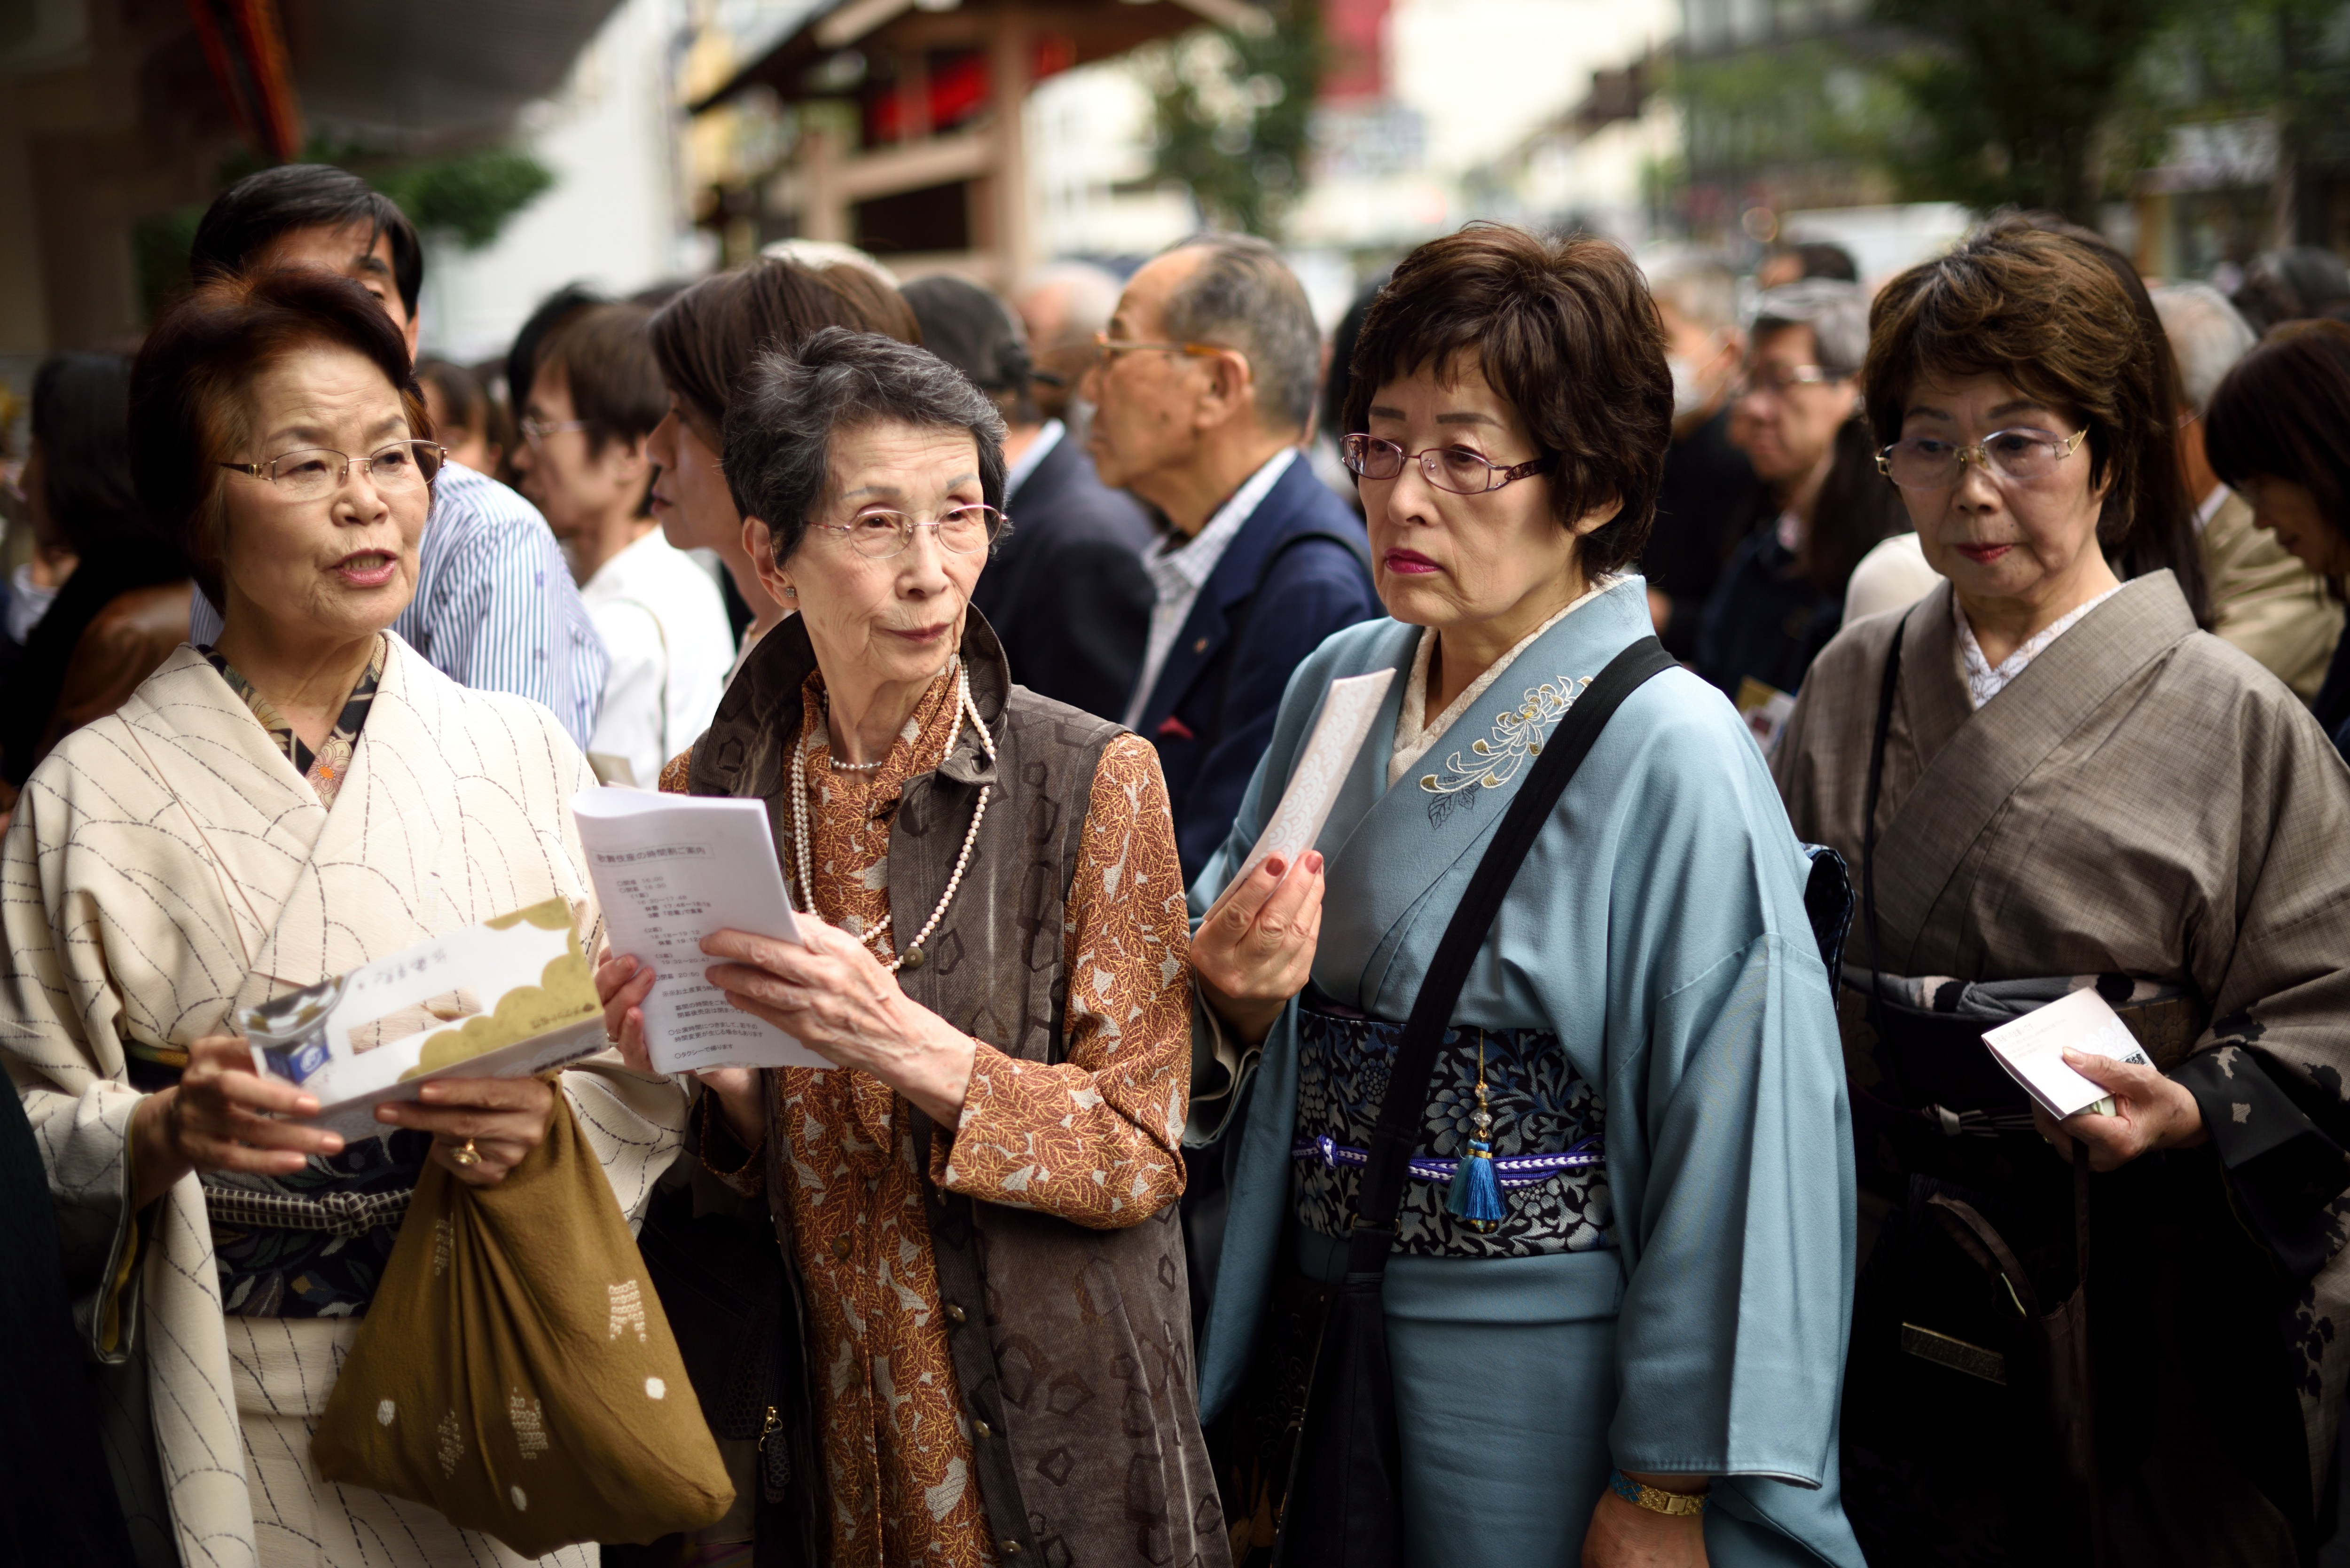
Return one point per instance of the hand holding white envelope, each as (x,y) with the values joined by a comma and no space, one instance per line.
(1347,713)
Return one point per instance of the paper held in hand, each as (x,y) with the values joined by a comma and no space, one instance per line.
(505,999)
(669,870)
(2032,1050)
(1322,767)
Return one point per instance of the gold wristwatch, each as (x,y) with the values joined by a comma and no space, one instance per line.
(1655,1500)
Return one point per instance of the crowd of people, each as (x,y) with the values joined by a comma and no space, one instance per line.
(1576,1144)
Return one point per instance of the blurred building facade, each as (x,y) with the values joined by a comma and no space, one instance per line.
(113,112)
(903,126)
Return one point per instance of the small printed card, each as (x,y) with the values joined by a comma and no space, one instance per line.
(2033,1048)
(505,999)
(1347,713)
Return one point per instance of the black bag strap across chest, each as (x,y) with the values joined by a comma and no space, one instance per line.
(1404,1107)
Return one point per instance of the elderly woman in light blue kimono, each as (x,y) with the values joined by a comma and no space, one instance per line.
(1635,1357)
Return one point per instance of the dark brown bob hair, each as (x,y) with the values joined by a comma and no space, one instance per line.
(606,360)
(2282,413)
(2052,313)
(706,338)
(189,407)
(1564,329)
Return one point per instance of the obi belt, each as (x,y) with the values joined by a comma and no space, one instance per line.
(1546,1143)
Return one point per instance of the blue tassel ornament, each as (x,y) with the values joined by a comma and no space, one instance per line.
(1475,1199)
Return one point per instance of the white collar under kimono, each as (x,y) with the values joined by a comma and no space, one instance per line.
(1415,732)
(1986,680)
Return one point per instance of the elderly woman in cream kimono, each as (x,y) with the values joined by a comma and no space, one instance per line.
(304,796)
(2051,779)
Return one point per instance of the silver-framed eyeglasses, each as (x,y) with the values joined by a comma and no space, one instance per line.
(1451,468)
(313,474)
(2021,456)
(878,534)
(536,431)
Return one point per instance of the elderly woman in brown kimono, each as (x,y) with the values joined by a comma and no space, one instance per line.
(978,1198)
(2048,778)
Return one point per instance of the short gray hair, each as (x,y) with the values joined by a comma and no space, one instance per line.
(2207,335)
(1701,290)
(1836,312)
(1091,296)
(791,404)
(1246,297)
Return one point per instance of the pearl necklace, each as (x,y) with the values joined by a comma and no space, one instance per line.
(834,764)
(804,860)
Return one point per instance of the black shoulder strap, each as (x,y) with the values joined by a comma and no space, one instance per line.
(1888,689)
(1238,627)
(1405,1106)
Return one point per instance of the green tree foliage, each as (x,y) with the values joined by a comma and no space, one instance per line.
(469,197)
(1232,111)
(2284,61)
(2014,99)
(1810,101)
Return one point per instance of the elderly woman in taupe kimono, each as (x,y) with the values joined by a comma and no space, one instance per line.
(302,797)
(2048,778)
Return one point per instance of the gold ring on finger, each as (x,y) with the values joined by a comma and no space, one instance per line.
(466,1155)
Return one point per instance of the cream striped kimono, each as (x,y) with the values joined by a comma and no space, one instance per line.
(167,865)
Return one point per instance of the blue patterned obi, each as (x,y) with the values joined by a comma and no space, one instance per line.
(1547,1147)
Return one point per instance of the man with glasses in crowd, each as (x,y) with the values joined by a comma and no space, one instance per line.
(494,608)
(1796,408)
(1203,390)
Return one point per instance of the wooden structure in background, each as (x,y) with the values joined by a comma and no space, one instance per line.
(921,160)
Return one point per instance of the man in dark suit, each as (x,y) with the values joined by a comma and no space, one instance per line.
(1066,591)
(1202,391)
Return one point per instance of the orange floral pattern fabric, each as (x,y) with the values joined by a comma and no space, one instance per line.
(1094,1139)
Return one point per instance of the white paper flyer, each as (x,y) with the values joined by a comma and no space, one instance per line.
(669,870)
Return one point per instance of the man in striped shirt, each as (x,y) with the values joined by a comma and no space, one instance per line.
(495,607)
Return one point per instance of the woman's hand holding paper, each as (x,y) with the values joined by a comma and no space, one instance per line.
(829,992)
(622,983)
(1255,949)
(222,1116)
(2150,1112)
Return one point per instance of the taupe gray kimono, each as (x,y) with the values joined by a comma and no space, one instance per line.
(2143,800)
(167,865)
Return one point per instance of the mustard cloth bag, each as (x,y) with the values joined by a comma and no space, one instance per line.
(514,1370)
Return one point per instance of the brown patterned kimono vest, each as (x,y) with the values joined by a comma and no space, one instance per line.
(1072,1346)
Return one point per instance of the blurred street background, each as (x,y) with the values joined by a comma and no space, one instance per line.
(626,145)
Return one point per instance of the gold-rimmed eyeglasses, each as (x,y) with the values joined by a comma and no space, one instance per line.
(2024,456)
(880,534)
(313,474)
(1106,346)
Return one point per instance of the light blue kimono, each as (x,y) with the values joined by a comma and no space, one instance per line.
(1658,928)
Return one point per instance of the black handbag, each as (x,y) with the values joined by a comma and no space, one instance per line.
(1343,1502)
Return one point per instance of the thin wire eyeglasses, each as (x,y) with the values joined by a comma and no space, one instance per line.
(961,530)
(313,474)
(2024,456)
(536,431)
(1449,468)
